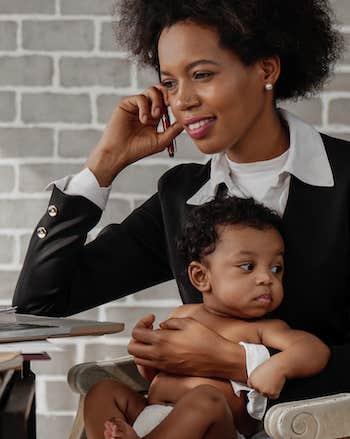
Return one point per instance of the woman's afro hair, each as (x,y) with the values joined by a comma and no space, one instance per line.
(301,32)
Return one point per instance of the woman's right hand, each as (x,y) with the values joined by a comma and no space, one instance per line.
(130,135)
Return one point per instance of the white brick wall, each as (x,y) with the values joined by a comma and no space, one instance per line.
(61,74)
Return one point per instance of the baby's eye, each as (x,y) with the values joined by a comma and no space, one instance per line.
(247,267)
(276,269)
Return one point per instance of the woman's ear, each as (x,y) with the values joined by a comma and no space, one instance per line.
(271,69)
(199,276)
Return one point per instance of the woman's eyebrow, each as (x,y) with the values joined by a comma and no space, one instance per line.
(194,64)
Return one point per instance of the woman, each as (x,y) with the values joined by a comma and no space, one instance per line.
(222,70)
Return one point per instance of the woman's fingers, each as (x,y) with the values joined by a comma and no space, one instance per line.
(146,321)
(155,97)
(169,134)
(174,323)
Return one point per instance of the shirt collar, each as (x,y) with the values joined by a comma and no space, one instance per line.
(307,160)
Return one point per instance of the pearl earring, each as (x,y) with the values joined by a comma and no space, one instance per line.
(268,86)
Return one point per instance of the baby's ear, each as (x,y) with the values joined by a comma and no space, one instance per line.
(198,274)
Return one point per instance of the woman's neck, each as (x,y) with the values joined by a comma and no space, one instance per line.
(265,139)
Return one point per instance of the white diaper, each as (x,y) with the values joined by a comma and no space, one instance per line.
(151,416)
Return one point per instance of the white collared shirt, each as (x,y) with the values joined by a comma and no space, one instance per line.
(268,181)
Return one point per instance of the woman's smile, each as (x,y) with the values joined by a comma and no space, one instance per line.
(199,127)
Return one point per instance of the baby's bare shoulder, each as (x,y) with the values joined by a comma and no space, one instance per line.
(187,310)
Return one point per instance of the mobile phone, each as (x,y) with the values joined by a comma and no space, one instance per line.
(166,124)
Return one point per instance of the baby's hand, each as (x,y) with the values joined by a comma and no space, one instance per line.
(267,380)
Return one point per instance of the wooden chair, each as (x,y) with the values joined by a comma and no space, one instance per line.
(319,418)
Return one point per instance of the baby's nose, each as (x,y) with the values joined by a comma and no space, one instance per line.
(264,278)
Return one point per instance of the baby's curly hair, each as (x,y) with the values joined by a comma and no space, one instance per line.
(300,32)
(200,234)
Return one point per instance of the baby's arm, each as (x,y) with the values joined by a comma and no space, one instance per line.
(150,372)
(302,354)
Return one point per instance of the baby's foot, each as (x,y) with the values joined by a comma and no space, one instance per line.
(119,429)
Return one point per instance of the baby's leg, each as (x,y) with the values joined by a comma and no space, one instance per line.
(202,413)
(108,399)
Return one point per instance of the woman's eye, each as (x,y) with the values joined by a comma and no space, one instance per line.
(247,267)
(276,269)
(201,75)
(168,84)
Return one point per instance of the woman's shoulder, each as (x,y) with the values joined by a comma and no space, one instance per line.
(184,178)
(338,152)
(335,146)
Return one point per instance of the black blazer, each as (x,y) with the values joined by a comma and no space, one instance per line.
(62,276)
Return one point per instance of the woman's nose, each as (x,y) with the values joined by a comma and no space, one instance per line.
(186,99)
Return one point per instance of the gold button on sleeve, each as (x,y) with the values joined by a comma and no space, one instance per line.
(41,232)
(52,210)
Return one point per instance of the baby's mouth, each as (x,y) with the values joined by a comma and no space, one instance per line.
(264,298)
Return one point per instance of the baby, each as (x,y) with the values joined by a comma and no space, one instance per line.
(234,252)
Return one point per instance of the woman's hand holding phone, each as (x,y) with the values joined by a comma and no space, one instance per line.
(131,134)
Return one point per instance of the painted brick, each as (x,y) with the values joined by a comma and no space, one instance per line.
(12,212)
(108,38)
(146,77)
(105,106)
(28,70)
(58,35)
(344,136)
(342,10)
(27,6)
(26,142)
(90,314)
(77,143)
(8,35)
(54,426)
(346,58)
(59,396)
(309,110)
(7,106)
(340,82)
(87,7)
(339,110)
(130,315)
(56,107)
(35,177)
(8,281)
(24,242)
(60,363)
(115,212)
(94,71)
(100,352)
(7,178)
(6,248)
(139,179)
(165,291)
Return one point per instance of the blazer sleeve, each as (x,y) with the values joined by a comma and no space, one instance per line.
(62,276)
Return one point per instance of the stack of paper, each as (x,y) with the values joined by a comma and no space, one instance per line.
(7,314)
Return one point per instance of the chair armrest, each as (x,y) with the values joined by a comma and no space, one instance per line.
(83,376)
(318,418)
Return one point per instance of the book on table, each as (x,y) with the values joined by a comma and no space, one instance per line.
(10,360)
